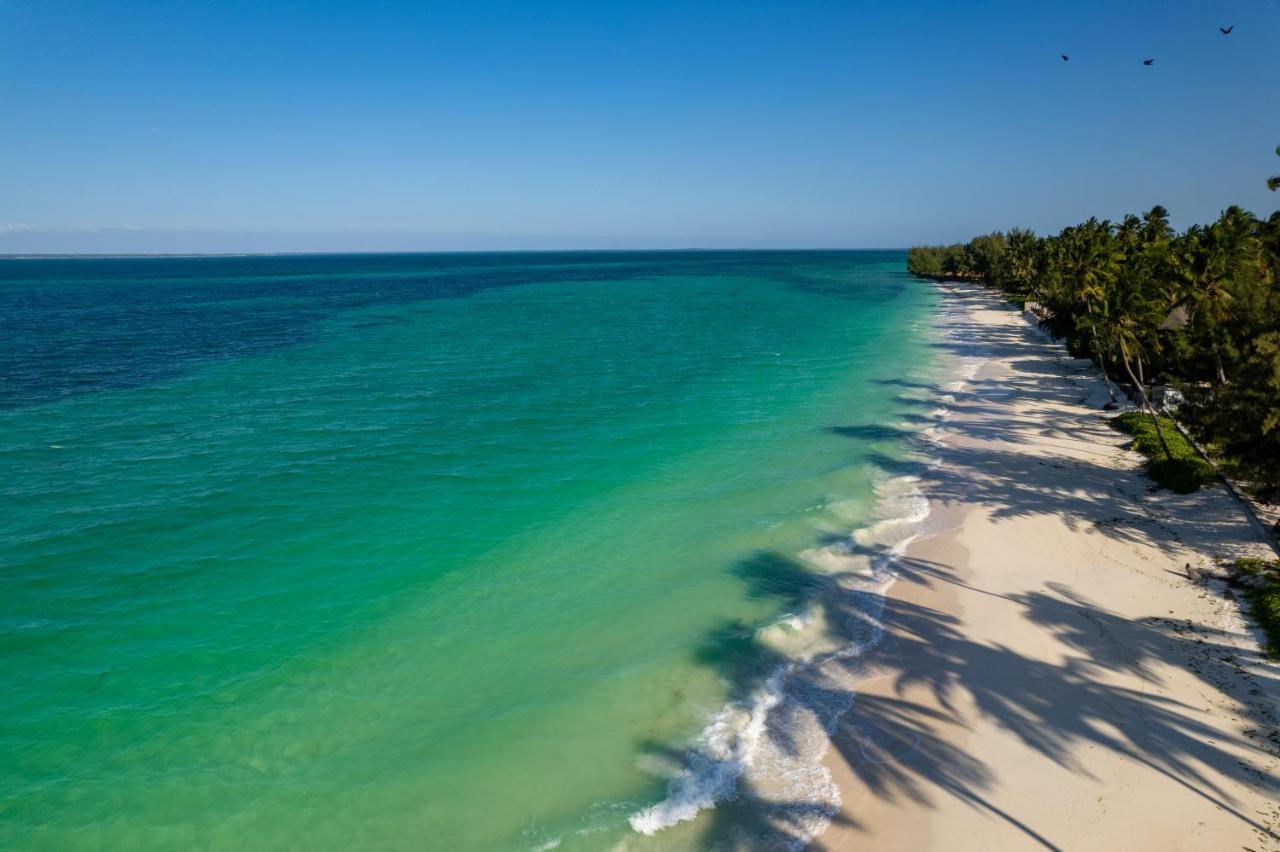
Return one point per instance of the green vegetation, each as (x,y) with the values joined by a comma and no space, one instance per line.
(1197,311)
(1182,470)
(1250,566)
(1262,581)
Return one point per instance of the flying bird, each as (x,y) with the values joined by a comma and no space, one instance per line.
(1226,30)
(1066,58)
(1148,62)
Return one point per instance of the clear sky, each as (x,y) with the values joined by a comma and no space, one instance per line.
(293,126)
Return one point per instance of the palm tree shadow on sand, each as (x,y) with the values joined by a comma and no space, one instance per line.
(897,746)
(895,741)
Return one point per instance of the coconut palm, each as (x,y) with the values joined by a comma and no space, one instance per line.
(1021,256)
(1200,310)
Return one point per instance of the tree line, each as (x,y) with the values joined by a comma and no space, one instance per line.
(1198,311)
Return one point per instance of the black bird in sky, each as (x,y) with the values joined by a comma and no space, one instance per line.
(1066,58)
(1226,30)
(1148,62)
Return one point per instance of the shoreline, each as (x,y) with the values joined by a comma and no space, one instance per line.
(1049,677)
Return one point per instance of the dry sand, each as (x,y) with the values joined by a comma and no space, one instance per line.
(1049,676)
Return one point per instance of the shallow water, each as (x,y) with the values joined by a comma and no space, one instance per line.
(418,551)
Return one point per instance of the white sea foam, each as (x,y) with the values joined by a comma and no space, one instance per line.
(804,698)
(726,749)
(806,695)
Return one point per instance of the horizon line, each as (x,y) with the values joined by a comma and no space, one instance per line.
(144,255)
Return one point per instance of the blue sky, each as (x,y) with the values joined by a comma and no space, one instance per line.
(261,126)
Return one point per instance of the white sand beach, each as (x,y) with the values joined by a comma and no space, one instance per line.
(1050,677)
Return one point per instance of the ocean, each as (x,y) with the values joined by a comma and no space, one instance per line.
(455,551)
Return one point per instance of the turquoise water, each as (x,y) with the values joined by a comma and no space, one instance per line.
(419,551)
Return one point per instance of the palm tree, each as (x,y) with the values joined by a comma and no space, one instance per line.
(1092,259)
(1200,310)
(1222,264)
(1273,182)
(1146,276)
(1123,329)
(1018,264)
(1202,266)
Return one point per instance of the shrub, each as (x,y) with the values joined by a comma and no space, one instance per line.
(1185,471)
(1264,606)
(1253,567)
(1263,597)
